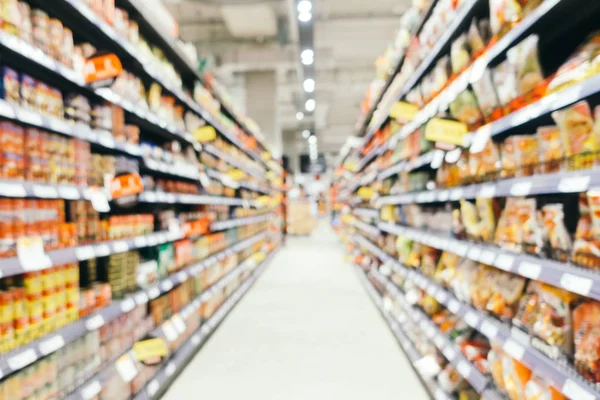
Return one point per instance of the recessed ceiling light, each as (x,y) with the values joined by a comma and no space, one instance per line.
(304,17)
(306,134)
(304,6)
(299,116)
(309,85)
(312,139)
(310,105)
(308,61)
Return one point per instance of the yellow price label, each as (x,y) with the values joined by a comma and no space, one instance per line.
(365,193)
(259,257)
(264,200)
(149,349)
(236,174)
(387,213)
(446,131)
(205,134)
(265,156)
(404,111)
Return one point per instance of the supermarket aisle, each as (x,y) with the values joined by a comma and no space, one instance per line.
(307,330)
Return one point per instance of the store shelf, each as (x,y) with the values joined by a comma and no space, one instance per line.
(233,161)
(366,212)
(177,170)
(227,181)
(368,228)
(514,342)
(560,182)
(565,275)
(232,223)
(19,188)
(20,358)
(184,198)
(431,159)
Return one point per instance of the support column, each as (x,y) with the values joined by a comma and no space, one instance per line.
(261,106)
(290,149)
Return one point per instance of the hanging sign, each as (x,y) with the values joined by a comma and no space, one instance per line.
(447,131)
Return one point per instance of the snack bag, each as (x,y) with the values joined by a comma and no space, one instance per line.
(510,158)
(505,81)
(481,286)
(555,229)
(526,63)
(495,365)
(475,39)
(486,93)
(487,218)
(586,331)
(527,154)
(577,129)
(531,229)
(459,54)
(450,380)
(485,162)
(506,291)
(429,260)
(446,268)
(465,275)
(551,148)
(504,13)
(578,66)
(470,220)
(537,389)
(476,350)
(465,108)
(515,376)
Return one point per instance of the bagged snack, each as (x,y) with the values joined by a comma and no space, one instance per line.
(593,196)
(481,286)
(487,218)
(446,268)
(506,291)
(510,158)
(532,237)
(586,332)
(526,64)
(537,389)
(465,108)
(527,154)
(429,261)
(551,148)
(505,81)
(495,365)
(459,54)
(555,229)
(579,66)
(450,380)
(586,249)
(486,93)
(465,275)
(503,13)
(576,127)
(476,350)
(515,376)
(470,220)
(475,39)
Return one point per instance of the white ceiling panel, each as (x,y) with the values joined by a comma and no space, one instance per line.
(257,20)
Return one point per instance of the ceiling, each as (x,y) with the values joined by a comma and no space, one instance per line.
(246,35)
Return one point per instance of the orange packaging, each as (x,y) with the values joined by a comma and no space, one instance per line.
(551,148)
(33,284)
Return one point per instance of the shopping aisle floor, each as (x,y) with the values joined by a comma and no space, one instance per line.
(307,330)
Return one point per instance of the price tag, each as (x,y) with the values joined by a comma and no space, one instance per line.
(474,253)
(99,201)
(94,322)
(449,353)
(574,184)
(169,331)
(461,249)
(456,194)
(487,257)
(504,262)
(22,359)
(102,250)
(573,391)
(84,253)
(30,251)
(153,293)
(472,319)
(127,305)
(6,109)
(182,276)
(126,368)
(464,369)
(514,349)
(90,390)
(69,193)
(521,188)
(151,240)
(29,117)
(12,190)
(489,329)
(58,125)
(530,270)
(178,323)
(44,192)
(166,285)
(439,341)
(576,284)
(153,387)
(141,298)
(453,306)
(442,297)
(487,191)
(120,246)
(51,345)
(170,369)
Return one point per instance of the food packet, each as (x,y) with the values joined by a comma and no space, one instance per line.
(576,126)
(551,148)
(446,268)
(495,365)
(527,154)
(537,389)
(440,75)
(481,286)
(515,376)
(476,350)
(532,236)
(475,39)
(555,229)
(586,248)
(578,66)
(586,333)
(465,108)
(503,13)
(470,219)
(429,261)
(459,54)
(450,380)
(505,81)
(486,93)
(525,60)
(465,275)
(487,218)
(510,158)
(593,196)
(506,291)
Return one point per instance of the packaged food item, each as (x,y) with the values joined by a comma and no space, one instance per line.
(503,14)
(526,64)
(470,219)
(551,148)
(446,269)
(459,54)
(10,86)
(556,231)
(527,154)
(505,81)
(486,93)
(465,108)
(537,389)
(475,39)
(40,23)
(586,333)
(576,127)
(487,211)
(451,380)
(579,66)
(532,234)
(495,357)
(10,16)
(515,376)
(25,31)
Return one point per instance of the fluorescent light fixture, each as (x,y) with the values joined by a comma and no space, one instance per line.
(310,105)
(308,61)
(304,6)
(309,85)
(307,56)
(312,139)
(299,116)
(304,16)
(306,134)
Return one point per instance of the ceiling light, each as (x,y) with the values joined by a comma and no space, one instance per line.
(308,53)
(313,156)
(312,139)
(306,134)
(299,116)
(308,61)
(304,16)
(310,105)
(309,85)
(304,6)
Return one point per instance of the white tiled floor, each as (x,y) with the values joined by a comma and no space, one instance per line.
(307,330)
